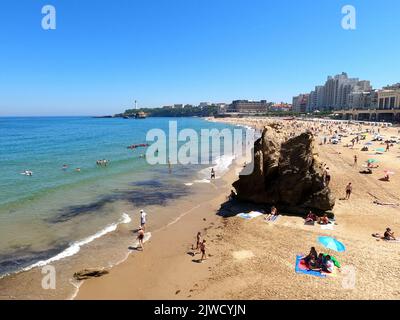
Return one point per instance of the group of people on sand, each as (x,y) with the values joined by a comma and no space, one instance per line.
(312,218)
(140,237)
(319,262)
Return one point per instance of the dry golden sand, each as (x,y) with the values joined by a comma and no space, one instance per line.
(255,259)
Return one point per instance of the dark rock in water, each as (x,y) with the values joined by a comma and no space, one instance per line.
(89,273)
(286,174)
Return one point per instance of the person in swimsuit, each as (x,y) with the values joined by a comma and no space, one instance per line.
(324,219)
(212,174)
(141,237)
(273,215)
(389,235)
(349,190)
(198,241)
(311,217)
(203,251)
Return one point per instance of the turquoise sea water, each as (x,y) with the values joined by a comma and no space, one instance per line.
(43,214)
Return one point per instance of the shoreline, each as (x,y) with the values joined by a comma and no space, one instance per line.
(128,194)
(180,233)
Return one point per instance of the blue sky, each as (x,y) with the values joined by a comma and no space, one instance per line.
(105,54)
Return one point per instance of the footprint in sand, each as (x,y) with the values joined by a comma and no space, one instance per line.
(243,254)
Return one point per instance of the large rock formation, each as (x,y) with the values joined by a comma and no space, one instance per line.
(286,174)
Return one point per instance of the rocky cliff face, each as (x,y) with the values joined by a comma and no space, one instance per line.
(286,174)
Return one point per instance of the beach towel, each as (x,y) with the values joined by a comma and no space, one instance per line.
(309,223)
(327,226)
(250,215)
(302,268)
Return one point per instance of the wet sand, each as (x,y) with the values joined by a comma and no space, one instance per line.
(256,260)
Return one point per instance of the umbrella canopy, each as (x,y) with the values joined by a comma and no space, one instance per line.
(380,150)
(372,161)
(332,243)
(369,144)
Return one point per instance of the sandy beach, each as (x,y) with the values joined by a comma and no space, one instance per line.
(256,259)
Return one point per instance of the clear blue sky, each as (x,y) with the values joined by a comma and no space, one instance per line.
(105,54)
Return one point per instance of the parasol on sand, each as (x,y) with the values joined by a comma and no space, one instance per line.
(332,243)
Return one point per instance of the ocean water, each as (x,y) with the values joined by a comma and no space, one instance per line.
(54,213)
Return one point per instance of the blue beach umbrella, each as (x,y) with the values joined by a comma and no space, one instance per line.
(332,243)
(369,144)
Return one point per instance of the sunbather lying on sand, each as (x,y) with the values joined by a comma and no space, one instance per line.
(379,203)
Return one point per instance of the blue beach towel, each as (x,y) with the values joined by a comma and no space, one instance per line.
(301,268)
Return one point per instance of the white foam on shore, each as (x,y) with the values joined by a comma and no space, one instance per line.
(222,164)
(202,181)
(75,247)
(77,284)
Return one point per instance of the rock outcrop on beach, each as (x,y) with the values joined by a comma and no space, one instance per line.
(286,174)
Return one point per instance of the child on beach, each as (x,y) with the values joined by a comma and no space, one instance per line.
(141,237)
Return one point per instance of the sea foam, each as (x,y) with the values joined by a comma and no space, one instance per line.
(75,247)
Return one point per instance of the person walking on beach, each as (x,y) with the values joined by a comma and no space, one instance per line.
(349,190)
(143,216)
(141,237)
(212,174)
(198,241)
(327,177)
(203,251)
(355,160)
